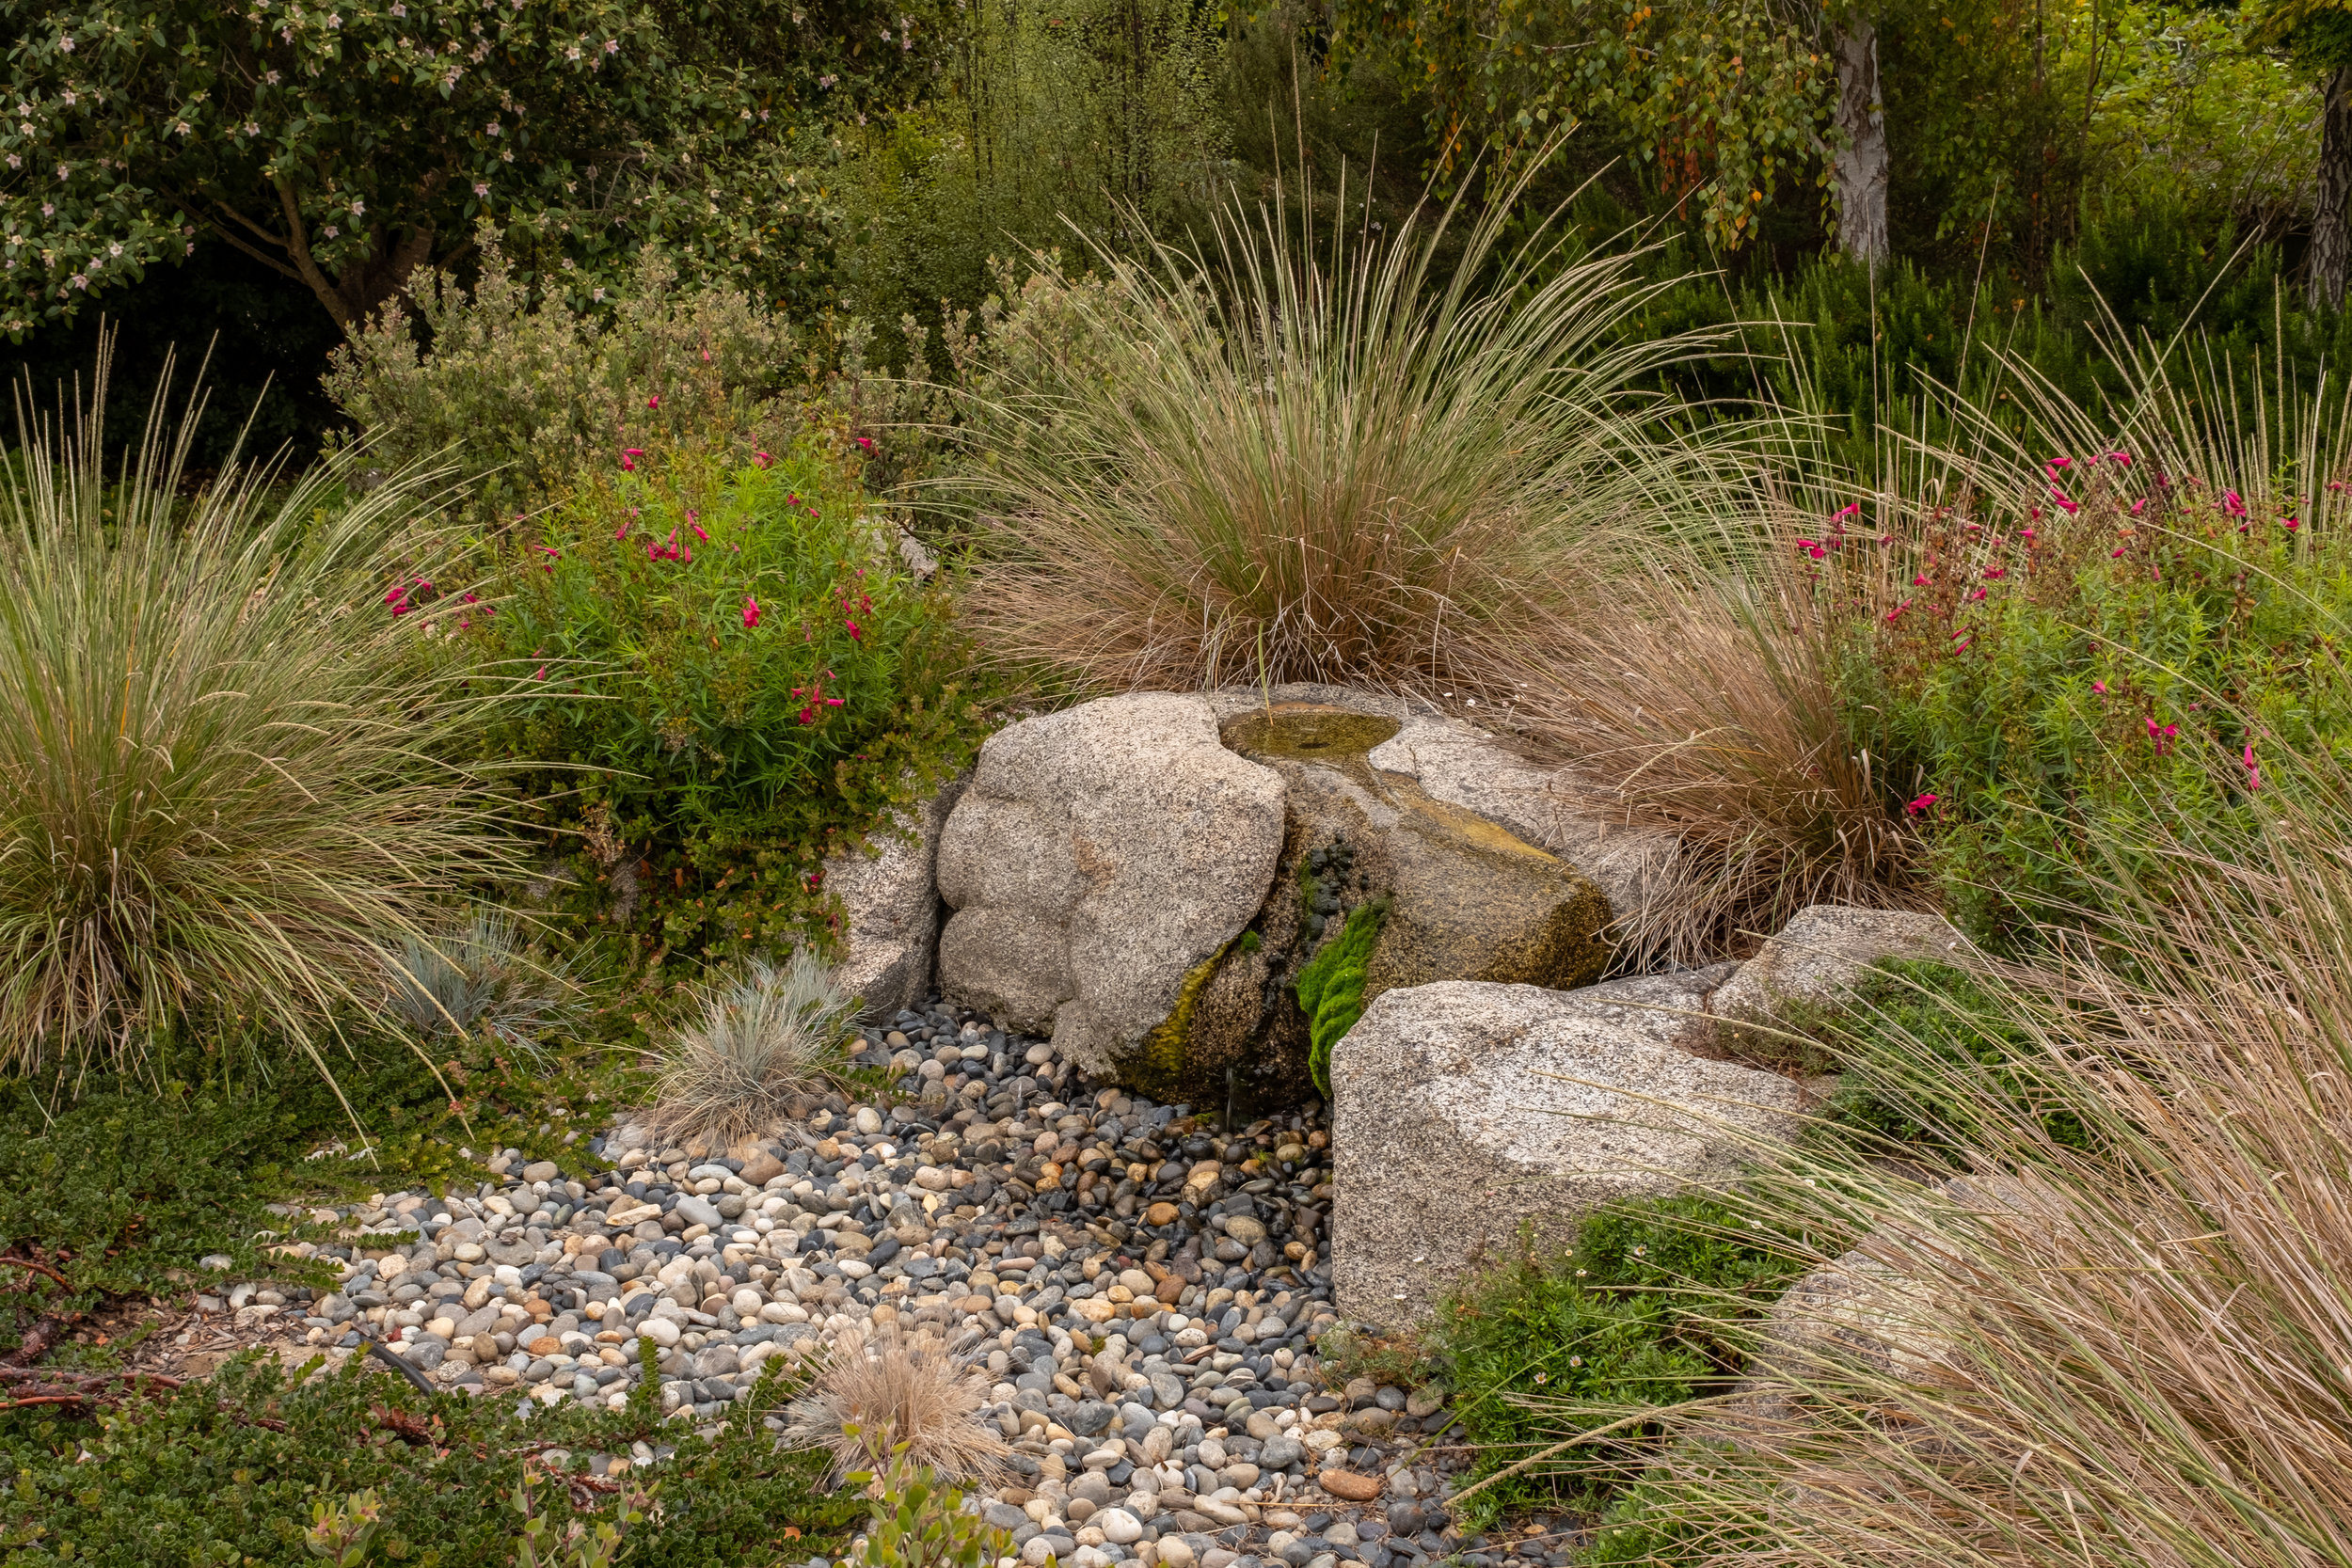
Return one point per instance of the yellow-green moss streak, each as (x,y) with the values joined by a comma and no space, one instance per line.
(1331,986)
(1156,1065)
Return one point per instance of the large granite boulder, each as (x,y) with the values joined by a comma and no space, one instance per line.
(1466,1114)
(1817,959)
(1101,857)
(1379,887)
(890,935)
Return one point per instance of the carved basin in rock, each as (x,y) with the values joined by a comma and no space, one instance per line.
(1417,890)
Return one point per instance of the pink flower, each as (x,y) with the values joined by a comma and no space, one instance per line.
(699,533)
(628,458)
(550,549)
(1918,806)
(2253,770)
(621,533)
(750,613)
(1975,594)
(540,675)
(854,633)
(1812,548)
(2115,554)
(1898,610)
(2123,457)
(2070,508)
(2100,686)
(654,401)
(866,443)
(1994,573)
(2292,524)
(808,715)
(1920,582)
(467,598)
(833,702)
(2232,505)
(2054,464)
(762,459)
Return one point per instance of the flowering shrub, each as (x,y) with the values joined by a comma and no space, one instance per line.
(730,677)
(2124,647)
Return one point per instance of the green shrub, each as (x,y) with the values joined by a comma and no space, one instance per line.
(227,773)
(1330,987)
(920,1521)
(524,395)
(2153,660)
(731,677)
(227,1471)
(1643,1311)
(124,1190)
(1914,1029)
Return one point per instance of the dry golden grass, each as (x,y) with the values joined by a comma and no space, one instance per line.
(873,1396)
(1704,706)
(2139,1357)
(1298,455)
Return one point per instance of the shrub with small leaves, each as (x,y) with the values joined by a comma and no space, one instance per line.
(922,1522)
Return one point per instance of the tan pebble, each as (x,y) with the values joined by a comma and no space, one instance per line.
(1348,1484)
(546,1344)
(1160,1213)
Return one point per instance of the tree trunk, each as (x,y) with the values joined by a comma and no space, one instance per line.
(2331,238)
(1858,162)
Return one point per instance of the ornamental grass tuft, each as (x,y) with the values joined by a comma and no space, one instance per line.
(755,1042)
(1297,454)
(2120,1337)
(226,774)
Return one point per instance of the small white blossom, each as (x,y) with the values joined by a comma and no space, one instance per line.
(481,189)
(66,43)
(114,250)
(330,232)
(270,76)
(359,209)
(612,46)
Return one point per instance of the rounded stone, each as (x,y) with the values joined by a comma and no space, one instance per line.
(1119,1527)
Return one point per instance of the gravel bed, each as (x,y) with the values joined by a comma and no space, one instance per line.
(1143,1288)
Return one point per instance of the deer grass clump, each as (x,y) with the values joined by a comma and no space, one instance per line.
(2120,1338)
(228,767)
(1293,454)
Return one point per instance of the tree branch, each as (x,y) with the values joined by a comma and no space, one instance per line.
(298,247)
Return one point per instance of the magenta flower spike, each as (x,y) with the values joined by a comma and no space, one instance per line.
(2253,770)
(1919,805)
(2070,508)
(2100,686)
(654,401)
(761,459)
(2232,504)
(750,613)
(699,533)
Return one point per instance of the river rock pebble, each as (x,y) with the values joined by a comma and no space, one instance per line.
(1144,1288)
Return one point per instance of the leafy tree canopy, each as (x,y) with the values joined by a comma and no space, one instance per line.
(345,143)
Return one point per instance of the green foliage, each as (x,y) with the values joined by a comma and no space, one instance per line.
(345,147)
(1914,1029)
(1643,1311)
(1721,104)
(920,1521)
(732,677)
(1330,986)
(1095,117)
(224,1471)
(126,1188)
(2060,679)
(529,395)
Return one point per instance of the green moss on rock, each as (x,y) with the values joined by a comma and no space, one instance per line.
(1331,986)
